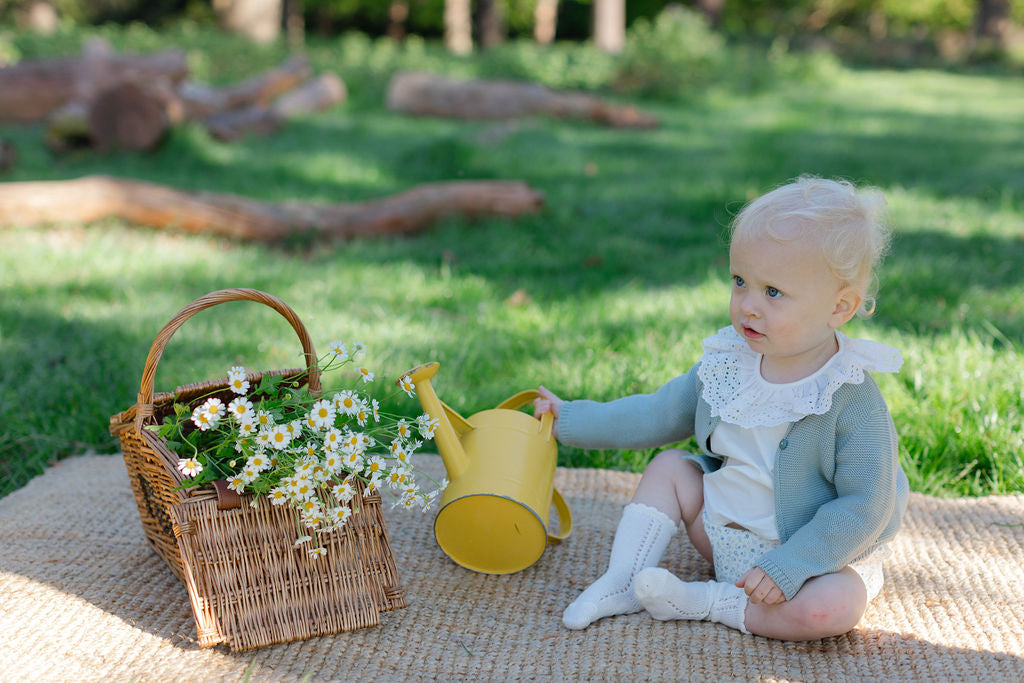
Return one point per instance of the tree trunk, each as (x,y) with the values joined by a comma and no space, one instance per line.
(94,198)
(992,21)
(545,21)
(426,94)
(398,13)
(458,27)
(491,22)
(712,10)
(610,25)
(258,20)
(295,23)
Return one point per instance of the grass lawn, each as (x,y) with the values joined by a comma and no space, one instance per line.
(609,291)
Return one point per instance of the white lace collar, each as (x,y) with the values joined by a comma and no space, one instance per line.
(735,390)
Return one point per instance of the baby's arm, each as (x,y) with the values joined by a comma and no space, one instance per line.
(638,421)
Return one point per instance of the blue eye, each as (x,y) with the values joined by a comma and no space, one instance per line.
(738,281)
(772,293)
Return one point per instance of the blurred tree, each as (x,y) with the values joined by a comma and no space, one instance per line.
(992,22)
(610,25)
(712,10)
(258,20)
(458,27)
(398,13)
(545,21)
(490,22)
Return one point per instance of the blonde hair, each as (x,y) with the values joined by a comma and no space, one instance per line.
(848,224)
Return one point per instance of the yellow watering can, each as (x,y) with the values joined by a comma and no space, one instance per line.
(501,465)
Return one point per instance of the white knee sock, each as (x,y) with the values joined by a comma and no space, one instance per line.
(640,540)
(666,597)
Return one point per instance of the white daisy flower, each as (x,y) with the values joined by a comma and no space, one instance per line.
(339,516)
(190,467)
(361,415)
(332,463)
(236,483)
(376,410)
(365,375)
(347,402)
(427,425)
(323,413)
(278,496)
(403,429)
(332,439)
(344,492)
(407,386)
(280,437)
(246,428)
(237,381)
(375,466)
(264,419)
(353,461)
(338,350)
(258,462)
(358,347)
(317,553)
(202,419)
(371,486)
(302,488)
(241,409)
(302,539)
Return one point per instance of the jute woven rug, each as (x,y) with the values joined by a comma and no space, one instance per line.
(83,598)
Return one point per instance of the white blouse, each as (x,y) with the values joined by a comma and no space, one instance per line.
(756,415)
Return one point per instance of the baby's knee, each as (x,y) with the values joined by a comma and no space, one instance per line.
(832,617)
(671,463)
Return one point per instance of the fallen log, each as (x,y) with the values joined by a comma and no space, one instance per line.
(316,94)
(93,198)
(135,115)
(200,101)
(426,94)
(34,88)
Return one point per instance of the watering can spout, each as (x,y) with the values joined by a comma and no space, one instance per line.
(450,425)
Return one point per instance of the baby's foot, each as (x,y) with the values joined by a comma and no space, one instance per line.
(666,597)
(606,597)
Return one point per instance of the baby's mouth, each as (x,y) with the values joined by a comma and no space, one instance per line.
(751,333)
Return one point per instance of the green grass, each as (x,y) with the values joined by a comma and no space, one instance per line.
(608,291)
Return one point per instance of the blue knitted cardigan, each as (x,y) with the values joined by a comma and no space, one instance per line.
(839,490)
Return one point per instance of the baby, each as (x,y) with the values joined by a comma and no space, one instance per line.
(796,488)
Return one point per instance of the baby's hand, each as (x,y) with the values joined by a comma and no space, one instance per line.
(760,587)
(548,403)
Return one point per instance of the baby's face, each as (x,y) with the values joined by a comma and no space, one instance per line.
(784,302)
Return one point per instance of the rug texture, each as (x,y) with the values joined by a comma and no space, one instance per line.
(83,598)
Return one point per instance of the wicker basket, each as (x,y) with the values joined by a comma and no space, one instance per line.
(248,585)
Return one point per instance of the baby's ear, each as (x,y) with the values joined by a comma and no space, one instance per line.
(848,302)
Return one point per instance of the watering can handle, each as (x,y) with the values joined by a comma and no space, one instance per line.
(564,518)
(521,399)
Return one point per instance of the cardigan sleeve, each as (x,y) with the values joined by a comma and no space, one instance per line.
(637,421)
(845,528)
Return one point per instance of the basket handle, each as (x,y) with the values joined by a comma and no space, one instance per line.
(144,406)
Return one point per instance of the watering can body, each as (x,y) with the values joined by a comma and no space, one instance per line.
(494,514)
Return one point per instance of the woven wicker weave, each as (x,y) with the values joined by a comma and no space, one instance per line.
(249,586)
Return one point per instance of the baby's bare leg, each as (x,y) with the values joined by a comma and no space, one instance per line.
(676,487)
(828,605)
